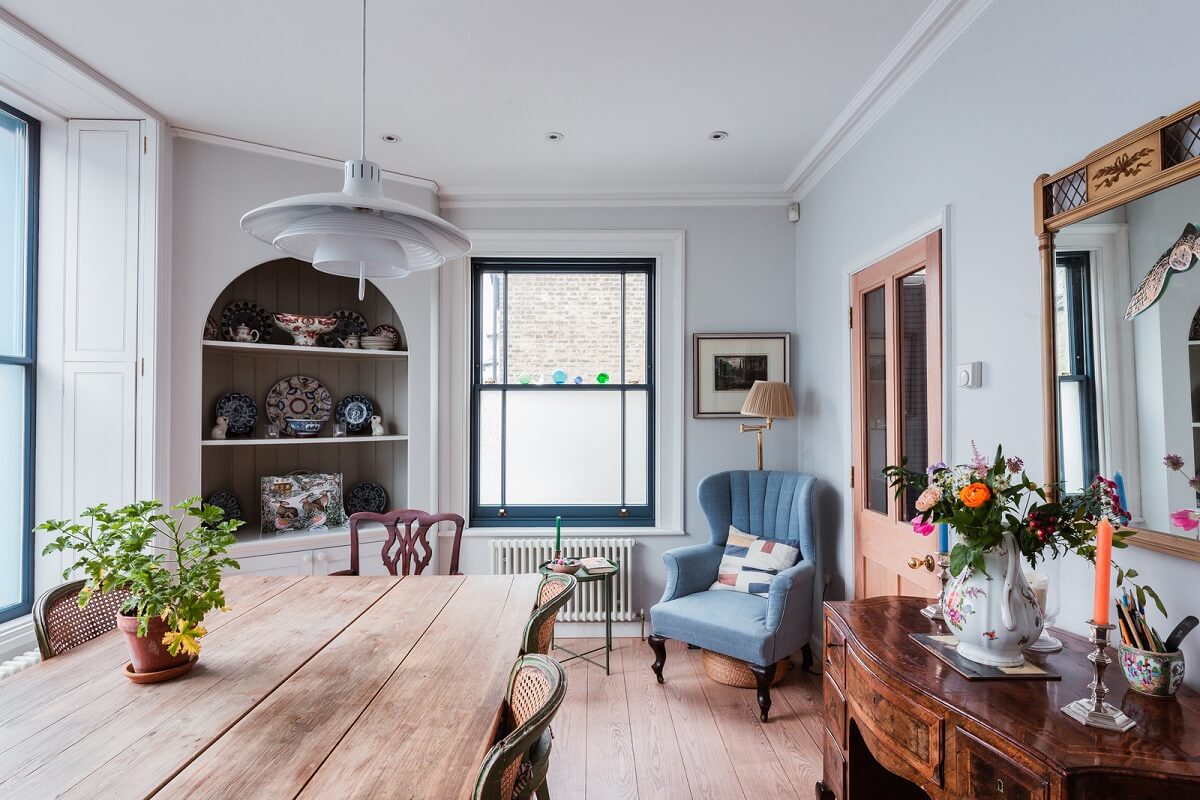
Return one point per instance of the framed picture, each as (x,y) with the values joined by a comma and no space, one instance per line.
(728,364)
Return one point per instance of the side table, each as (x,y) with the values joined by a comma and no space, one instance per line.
(583,576)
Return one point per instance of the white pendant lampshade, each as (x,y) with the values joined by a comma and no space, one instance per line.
(358,232)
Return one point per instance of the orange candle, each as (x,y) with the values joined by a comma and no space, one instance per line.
(1104,536)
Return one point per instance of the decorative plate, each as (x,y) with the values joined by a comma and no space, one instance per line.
(388,331)
(211,334)
(250,314)
(241,411)
(226,502)
(366,496)
(355,411)
(298,397)
(348,322)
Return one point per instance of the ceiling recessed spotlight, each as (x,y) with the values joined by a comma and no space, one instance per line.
(390,137)
(554,136)
(717,136)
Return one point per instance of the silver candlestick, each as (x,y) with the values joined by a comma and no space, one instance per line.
(1094,711)
(934,610)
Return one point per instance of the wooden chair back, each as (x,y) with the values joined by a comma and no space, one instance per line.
(425,524)
(516,766)
(391,521)
(554,592)
(60,624)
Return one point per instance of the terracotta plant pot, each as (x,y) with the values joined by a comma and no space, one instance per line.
(148,653)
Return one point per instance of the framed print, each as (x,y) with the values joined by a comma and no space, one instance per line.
(728,364)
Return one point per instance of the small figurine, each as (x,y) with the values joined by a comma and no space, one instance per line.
(221,428)
(377,425)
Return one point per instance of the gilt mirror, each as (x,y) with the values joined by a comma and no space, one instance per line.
(1121,326)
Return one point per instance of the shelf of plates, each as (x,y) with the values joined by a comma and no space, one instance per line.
(236,464)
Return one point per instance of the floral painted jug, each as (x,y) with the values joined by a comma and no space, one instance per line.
(994,613)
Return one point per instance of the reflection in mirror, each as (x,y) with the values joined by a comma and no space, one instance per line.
(1129,390)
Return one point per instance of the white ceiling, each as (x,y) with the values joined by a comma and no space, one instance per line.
(472,87)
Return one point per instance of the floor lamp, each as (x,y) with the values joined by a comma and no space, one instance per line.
(770,400)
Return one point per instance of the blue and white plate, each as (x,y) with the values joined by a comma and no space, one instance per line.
(355,412)
(366,496)
(241,411)
(227,502)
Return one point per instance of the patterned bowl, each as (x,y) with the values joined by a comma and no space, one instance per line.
(305,328)
(304,427)
(1154,674)
(567,566)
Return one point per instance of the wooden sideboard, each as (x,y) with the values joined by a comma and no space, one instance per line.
(900,723)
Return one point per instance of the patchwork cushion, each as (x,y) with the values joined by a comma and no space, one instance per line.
(750,563)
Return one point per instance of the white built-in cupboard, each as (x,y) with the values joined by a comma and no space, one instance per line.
(237,465)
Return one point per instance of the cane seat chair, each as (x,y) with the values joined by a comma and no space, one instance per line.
(516,766)
(555,592)
(60,624)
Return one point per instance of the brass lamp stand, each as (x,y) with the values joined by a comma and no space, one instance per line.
(769,400)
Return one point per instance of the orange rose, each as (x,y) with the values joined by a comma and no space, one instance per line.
(975,495)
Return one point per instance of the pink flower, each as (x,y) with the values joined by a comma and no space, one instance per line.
(925,528)
(1184,518)
(928,499)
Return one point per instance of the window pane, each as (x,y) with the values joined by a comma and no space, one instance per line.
(1071,436)
(875,381)
(569,322)
(914,399)
(637,448)
(13,193)
(489,463)
(636,299)
(491,327)
(563,448)
(12,478)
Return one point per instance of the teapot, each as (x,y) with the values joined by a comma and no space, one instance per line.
(351,342)
(244,333)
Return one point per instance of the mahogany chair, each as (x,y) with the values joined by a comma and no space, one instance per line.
(391,521)
(60,624)
(406,550)
(554,592)
(425,524)
(516,766)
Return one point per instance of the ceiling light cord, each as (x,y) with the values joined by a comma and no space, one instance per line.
(363,105)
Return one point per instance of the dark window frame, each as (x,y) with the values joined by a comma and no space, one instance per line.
(620,515)
(1081,353)
(29,358)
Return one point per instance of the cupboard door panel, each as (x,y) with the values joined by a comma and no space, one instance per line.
(299,562)
(99,415)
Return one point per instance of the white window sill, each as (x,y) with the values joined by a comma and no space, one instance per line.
(499,532)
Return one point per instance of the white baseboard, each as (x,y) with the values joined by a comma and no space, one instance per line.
(595,630)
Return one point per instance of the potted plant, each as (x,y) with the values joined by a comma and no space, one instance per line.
(170,561)
(1001,515)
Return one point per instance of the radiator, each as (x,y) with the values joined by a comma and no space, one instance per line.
(518,556)
(19,663)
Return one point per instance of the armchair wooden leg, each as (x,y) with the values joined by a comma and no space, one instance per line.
(543,791)
(659,645)
(806,652)
(763,677)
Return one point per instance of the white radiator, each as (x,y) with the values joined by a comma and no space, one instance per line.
(518,556)
(19,663)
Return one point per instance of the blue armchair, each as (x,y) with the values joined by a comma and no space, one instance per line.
(757,630)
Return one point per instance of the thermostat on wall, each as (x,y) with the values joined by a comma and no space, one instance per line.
(970,376)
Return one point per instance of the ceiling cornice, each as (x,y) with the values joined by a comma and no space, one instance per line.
(292,155)
(629,196)
(931,36)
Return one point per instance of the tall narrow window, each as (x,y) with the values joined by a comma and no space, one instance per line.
(1079,452)
(18,259)
(563,392)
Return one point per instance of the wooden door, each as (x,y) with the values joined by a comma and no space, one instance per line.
(896,335)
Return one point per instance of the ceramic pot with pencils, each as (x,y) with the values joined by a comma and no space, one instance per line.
(1151,673)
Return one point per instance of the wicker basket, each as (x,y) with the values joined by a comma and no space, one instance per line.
(735,672)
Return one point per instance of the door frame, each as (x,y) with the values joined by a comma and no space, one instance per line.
(940,220)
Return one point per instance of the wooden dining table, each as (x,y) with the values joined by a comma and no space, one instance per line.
(312,687)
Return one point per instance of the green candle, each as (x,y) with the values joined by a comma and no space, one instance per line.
(557,535)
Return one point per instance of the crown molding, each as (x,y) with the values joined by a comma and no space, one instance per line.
(931,36)
(292,155)
(629,196)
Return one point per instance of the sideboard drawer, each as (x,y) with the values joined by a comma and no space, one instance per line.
(835,711)
(835,652)
(834,775)
(984,773)
(912,732)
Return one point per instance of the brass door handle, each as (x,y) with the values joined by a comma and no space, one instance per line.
(916,562)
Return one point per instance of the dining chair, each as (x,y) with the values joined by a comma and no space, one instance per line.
(391,521)
(554,592)
(424,525)
(516,766)
(60,624)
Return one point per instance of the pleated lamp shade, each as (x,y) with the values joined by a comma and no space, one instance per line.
(770,400)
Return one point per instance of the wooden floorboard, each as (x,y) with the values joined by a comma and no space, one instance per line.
(625,736)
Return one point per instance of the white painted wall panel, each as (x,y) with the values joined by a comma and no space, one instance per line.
(98,435)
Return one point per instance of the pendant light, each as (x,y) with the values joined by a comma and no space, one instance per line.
(358,232)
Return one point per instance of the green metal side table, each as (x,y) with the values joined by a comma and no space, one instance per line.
(583,576)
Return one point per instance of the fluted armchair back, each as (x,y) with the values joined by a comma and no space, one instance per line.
(765,503)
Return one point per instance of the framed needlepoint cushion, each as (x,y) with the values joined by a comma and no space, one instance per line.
(750,563)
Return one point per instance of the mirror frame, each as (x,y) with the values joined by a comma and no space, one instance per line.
(1134,167)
